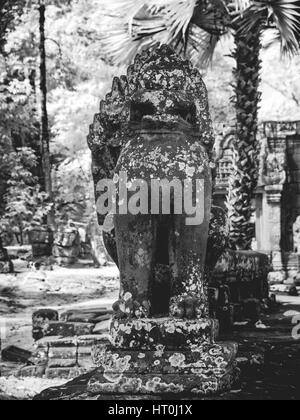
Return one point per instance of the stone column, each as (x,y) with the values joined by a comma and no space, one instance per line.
(274,195)
(274,178)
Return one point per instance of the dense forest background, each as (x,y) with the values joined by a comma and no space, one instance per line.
(78,76)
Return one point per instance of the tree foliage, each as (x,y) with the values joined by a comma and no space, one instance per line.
(26,204)
(193,27)
(77,77)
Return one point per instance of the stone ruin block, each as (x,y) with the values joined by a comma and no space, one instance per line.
(65,358)
(67,245)
(40,318)
(245,273)
(239,283)
(67,329)
(6,265)
(41,240)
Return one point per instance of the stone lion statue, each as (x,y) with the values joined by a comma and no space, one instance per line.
(155,125)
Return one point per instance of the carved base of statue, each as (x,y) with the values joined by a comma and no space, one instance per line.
(162,357)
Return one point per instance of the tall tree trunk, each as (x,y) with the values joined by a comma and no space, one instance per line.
(44,129)
(243,180)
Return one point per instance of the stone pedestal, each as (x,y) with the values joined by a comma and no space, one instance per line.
(163,357)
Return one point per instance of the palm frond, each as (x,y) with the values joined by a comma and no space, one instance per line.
(239,6)
(282,15)
(201,46)
(132,25)
(213,17)
(286,16)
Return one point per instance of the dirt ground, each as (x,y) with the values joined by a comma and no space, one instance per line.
(24,292)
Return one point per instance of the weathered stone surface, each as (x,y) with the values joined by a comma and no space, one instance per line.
(102,327)
(57,341)
(91,340)
(6,267)
(67,329)
(41,250)
(32,371)
(65,253)
(67,237)
(176,385)
(66,248)
(63,353)
(238,287)
(67,353)
(41,240)
(40,356)
(40,318)
(85,350)
(243,277)
(62,363)
(86,362)
(244,267)
(215,357)
(40,235)
(15,354)
(270,372)
(147,334)
(218,239)
(90,317)
(64,373)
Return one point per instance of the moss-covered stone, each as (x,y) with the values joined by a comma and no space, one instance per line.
(172,333)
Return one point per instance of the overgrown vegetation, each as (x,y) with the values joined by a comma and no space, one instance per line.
(26,204)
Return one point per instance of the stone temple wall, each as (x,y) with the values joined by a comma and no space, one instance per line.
(277,200)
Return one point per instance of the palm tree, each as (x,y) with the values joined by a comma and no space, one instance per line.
(248,29)
(193,28)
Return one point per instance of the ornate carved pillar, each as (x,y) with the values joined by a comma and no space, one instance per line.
(274,176)
(274,195)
